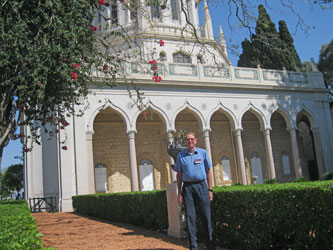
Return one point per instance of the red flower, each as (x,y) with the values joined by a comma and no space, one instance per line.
(157,78)
(64,147)
(74,75)
(152,62)
(75,65)
(64,122)
(161,43)
(105,67)
(26,150)
(101,2)
(56,131)
(155,68)
(122,1)
(93,28)
(144,114)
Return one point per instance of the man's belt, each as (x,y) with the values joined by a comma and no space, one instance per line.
(192,182)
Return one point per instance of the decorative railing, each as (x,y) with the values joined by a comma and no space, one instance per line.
(225,75)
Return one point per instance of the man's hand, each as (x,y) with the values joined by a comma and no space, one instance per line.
(180,199)
(210,196)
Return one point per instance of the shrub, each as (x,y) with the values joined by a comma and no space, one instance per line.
(328,176)
(17,227)
(147,209)
(270,181)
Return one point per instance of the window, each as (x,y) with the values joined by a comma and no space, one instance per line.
(162,57)
(285,163)
(175,9)
(133,7)
(226,168)
(181,58)
(155,11)
(146,172)
(114,12)
(101,178)
(256,168)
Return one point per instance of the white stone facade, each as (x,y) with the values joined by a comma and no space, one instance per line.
(239,114)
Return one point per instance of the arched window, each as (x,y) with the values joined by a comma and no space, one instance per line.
(101,178)
(256,168)
(226,168)
(175,9)
(285,163)
(162,57)
(181,58)
(155,11)
(146,171)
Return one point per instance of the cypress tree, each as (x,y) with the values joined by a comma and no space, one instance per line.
(268,47)
(291,60)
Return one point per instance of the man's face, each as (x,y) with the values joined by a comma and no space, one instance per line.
(191,141)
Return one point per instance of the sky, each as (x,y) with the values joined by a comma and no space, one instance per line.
(316,30)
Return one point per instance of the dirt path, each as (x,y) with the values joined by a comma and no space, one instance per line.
(70,231)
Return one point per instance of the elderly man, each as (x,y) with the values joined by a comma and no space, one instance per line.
(193,168)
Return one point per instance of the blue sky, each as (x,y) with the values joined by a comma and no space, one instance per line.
(308,44)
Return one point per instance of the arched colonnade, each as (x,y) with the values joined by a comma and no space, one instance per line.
(241,147)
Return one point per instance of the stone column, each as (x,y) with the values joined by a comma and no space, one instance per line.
(90,162)
(240,155)
(132,160)
(209,151)
(318,152)
(295,152)
(269,154)
(173,174)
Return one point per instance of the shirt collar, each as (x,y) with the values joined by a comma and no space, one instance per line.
(194,152)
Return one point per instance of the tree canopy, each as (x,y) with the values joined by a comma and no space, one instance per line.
(269,48)
(11,179)
(325,63)
(49,53)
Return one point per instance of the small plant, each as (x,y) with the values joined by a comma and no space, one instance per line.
(301,179)
(328,176)
(236,184)
(270,181)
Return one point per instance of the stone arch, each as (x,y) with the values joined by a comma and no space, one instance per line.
(110,144)
(152,138)
(193,110)
(310,159)
(226,111)
(123,115)
(257,112)
(304,112)
(281,143)
(284,113)
(156,110)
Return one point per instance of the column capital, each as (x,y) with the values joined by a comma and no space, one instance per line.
(206,131)
(89,134)
(237,132)
(131,134)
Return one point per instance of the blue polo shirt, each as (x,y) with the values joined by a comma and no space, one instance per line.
(193,166)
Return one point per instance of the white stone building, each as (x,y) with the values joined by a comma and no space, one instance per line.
(255,123)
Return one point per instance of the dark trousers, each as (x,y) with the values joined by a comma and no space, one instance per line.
(197,194)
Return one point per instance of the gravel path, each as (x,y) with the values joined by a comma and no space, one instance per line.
(71,231)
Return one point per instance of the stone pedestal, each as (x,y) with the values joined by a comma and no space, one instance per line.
(175,216)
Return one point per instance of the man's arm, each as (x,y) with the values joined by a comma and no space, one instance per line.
(210,181)
(179,187)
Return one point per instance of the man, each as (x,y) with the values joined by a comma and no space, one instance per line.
(193,167)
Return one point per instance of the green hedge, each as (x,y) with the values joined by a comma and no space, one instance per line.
(17,227)
(277,216)
(147,209)
(264,216)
